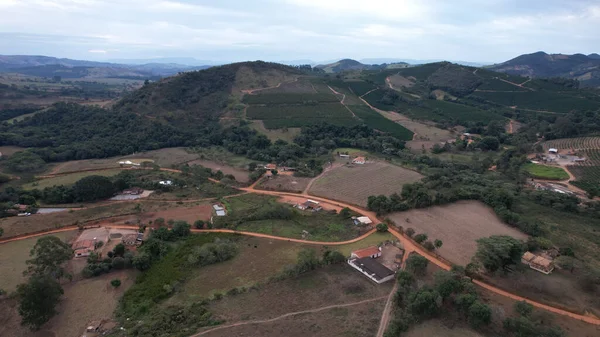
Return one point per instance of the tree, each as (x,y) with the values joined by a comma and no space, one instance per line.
(405,279)
(479,314)
(416,264)
(410,232)
(274,172)
(424,303)
(119,250)
(25,161)
(429,246)
(38,299)
(115,283)
(498,251)
(47,257)
(382,228)
(420,238)
(333,257)
(199,224)
(438,243)
(252,167)
(181,229)
(118,263)
(142,261)
(345,213)
(489,144)
(93,188)
(307,261)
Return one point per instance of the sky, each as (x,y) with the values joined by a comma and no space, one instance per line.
(278,30)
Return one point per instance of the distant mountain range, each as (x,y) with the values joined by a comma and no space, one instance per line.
(45,66)
(584,68)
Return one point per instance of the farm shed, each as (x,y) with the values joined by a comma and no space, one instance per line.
(219,210)
(539,263)
(362,220)
(372,252)
(131,240)
(552,150)
(372,269)
(166,182)
(347,156)
(310,204)
(359,160)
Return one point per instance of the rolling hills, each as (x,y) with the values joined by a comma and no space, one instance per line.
(584,68)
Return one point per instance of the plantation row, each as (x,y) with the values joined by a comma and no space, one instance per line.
(539,100)
(575,144)
(499,85)
(377,121)
(280,116)
(360,87)
(290,98)
(588,177)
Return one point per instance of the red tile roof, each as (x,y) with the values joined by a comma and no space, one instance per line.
(83,244)
(366,252)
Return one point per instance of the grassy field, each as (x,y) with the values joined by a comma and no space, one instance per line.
(287,134)
(458,226)
(545,172)
(372,240)
(13,256)
(328,286)
(286,183)
(69,179)
(239,174)
(221,155)
(373,178)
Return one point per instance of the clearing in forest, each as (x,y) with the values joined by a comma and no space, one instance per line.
(355,183)
(284,183)
(458,225)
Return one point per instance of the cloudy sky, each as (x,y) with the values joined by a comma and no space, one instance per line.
(235,30)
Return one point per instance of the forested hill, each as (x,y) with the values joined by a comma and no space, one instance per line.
(194,97)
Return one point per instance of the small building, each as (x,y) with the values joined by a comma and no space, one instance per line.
(166,182)
(553,150)
(362,220)
(309,205)
(359,160)
(128,162)
(131,239)
(271,167)
(20,207)
(372,252)
(347,156)
(372,269)
(133,191)
(288,169)
(84,248)
(219,210)
(539,263)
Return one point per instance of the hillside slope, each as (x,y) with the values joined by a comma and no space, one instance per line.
(585,69)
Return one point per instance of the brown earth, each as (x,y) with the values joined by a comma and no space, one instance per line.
(458,225)
(284,183)
(355,183)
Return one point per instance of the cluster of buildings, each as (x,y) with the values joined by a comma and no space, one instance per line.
(371,263)
(309,205)
(357,160)
(541,263)
(89,240)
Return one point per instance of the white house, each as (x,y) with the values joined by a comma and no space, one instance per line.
(362,220)
(166,182)
(553,150)
(364,260)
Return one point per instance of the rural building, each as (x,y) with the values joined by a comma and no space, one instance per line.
(347,156)
(288,169)
(364,260)
(372,252)
(128,162)
(84,248)
(131,239)
(20,207)
(133,191)
(309,205)
(539,263)
(166,182)
(362,220)
(219,210)
(553,150)
(359,160)
(271,166)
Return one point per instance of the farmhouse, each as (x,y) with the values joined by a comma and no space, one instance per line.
(309,204)
(84,248)
(359,160)
(271,167)
(219,210)
(362,220)
(364,261)
(539,263)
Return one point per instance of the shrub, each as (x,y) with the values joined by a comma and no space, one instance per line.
(410,232)
(115,283)
(199,224)
(479,314)
(420,238)
(118,263)
(333,257)
(119,250)
(429,245)
(382,228)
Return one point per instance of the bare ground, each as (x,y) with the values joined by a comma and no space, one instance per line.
(458,225)
(239,174)
(284,183)
(355,183)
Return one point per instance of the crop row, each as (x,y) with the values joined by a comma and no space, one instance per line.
(574,144)
(540,100)
(290,98)
(279,116)
(377,121)
(588,177)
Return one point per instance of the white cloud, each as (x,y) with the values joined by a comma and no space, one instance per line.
(97,51)
(409,10)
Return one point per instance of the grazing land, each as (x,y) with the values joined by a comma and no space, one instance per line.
(337,284)
(13,256)
(239,174)
(69,179)
(287,134)
(221,155)
(285,183)
(458,225)
(437,328)
(545,172)
(9,150)
(355,183)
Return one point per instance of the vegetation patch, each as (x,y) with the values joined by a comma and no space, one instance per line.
(376,121)
(69,179)
(281,116)
(289,98)
(545,172)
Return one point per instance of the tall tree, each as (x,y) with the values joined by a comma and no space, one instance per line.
(38,299)
(498,251)
(47,257)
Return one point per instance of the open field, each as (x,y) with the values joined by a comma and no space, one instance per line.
(435,327)
(372,240)
(458,225)
(68,179)
(9,150)
(13,256)
(331,285)
(355,320)
(545,172)
(287,134)
(424,132)
(355,183)
(221,155)
(83,301)
(239,174)
(163,157)
(284,182)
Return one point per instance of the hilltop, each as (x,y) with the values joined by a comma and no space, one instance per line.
(353,65)
(584,68)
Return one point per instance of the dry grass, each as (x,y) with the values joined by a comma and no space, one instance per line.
(424,132)
(398,81)
(9,150)
(239,174)
(437,328)
(458,225)
(287,134)
(13,256)
(355,183)
(69,179)
(286,183)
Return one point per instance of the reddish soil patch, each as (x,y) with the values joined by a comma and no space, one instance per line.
(189,214)
(239,174)
(284,183)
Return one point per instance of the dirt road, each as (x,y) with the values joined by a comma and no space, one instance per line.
(342,101)
(310,311)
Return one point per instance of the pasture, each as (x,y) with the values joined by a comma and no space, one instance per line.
(338,284)
(9,150)
(69,179)
(239,174)
(458,225)
(437,328)
(285,183)
(545,172)
(355,183)
(287,134)
(13,256)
